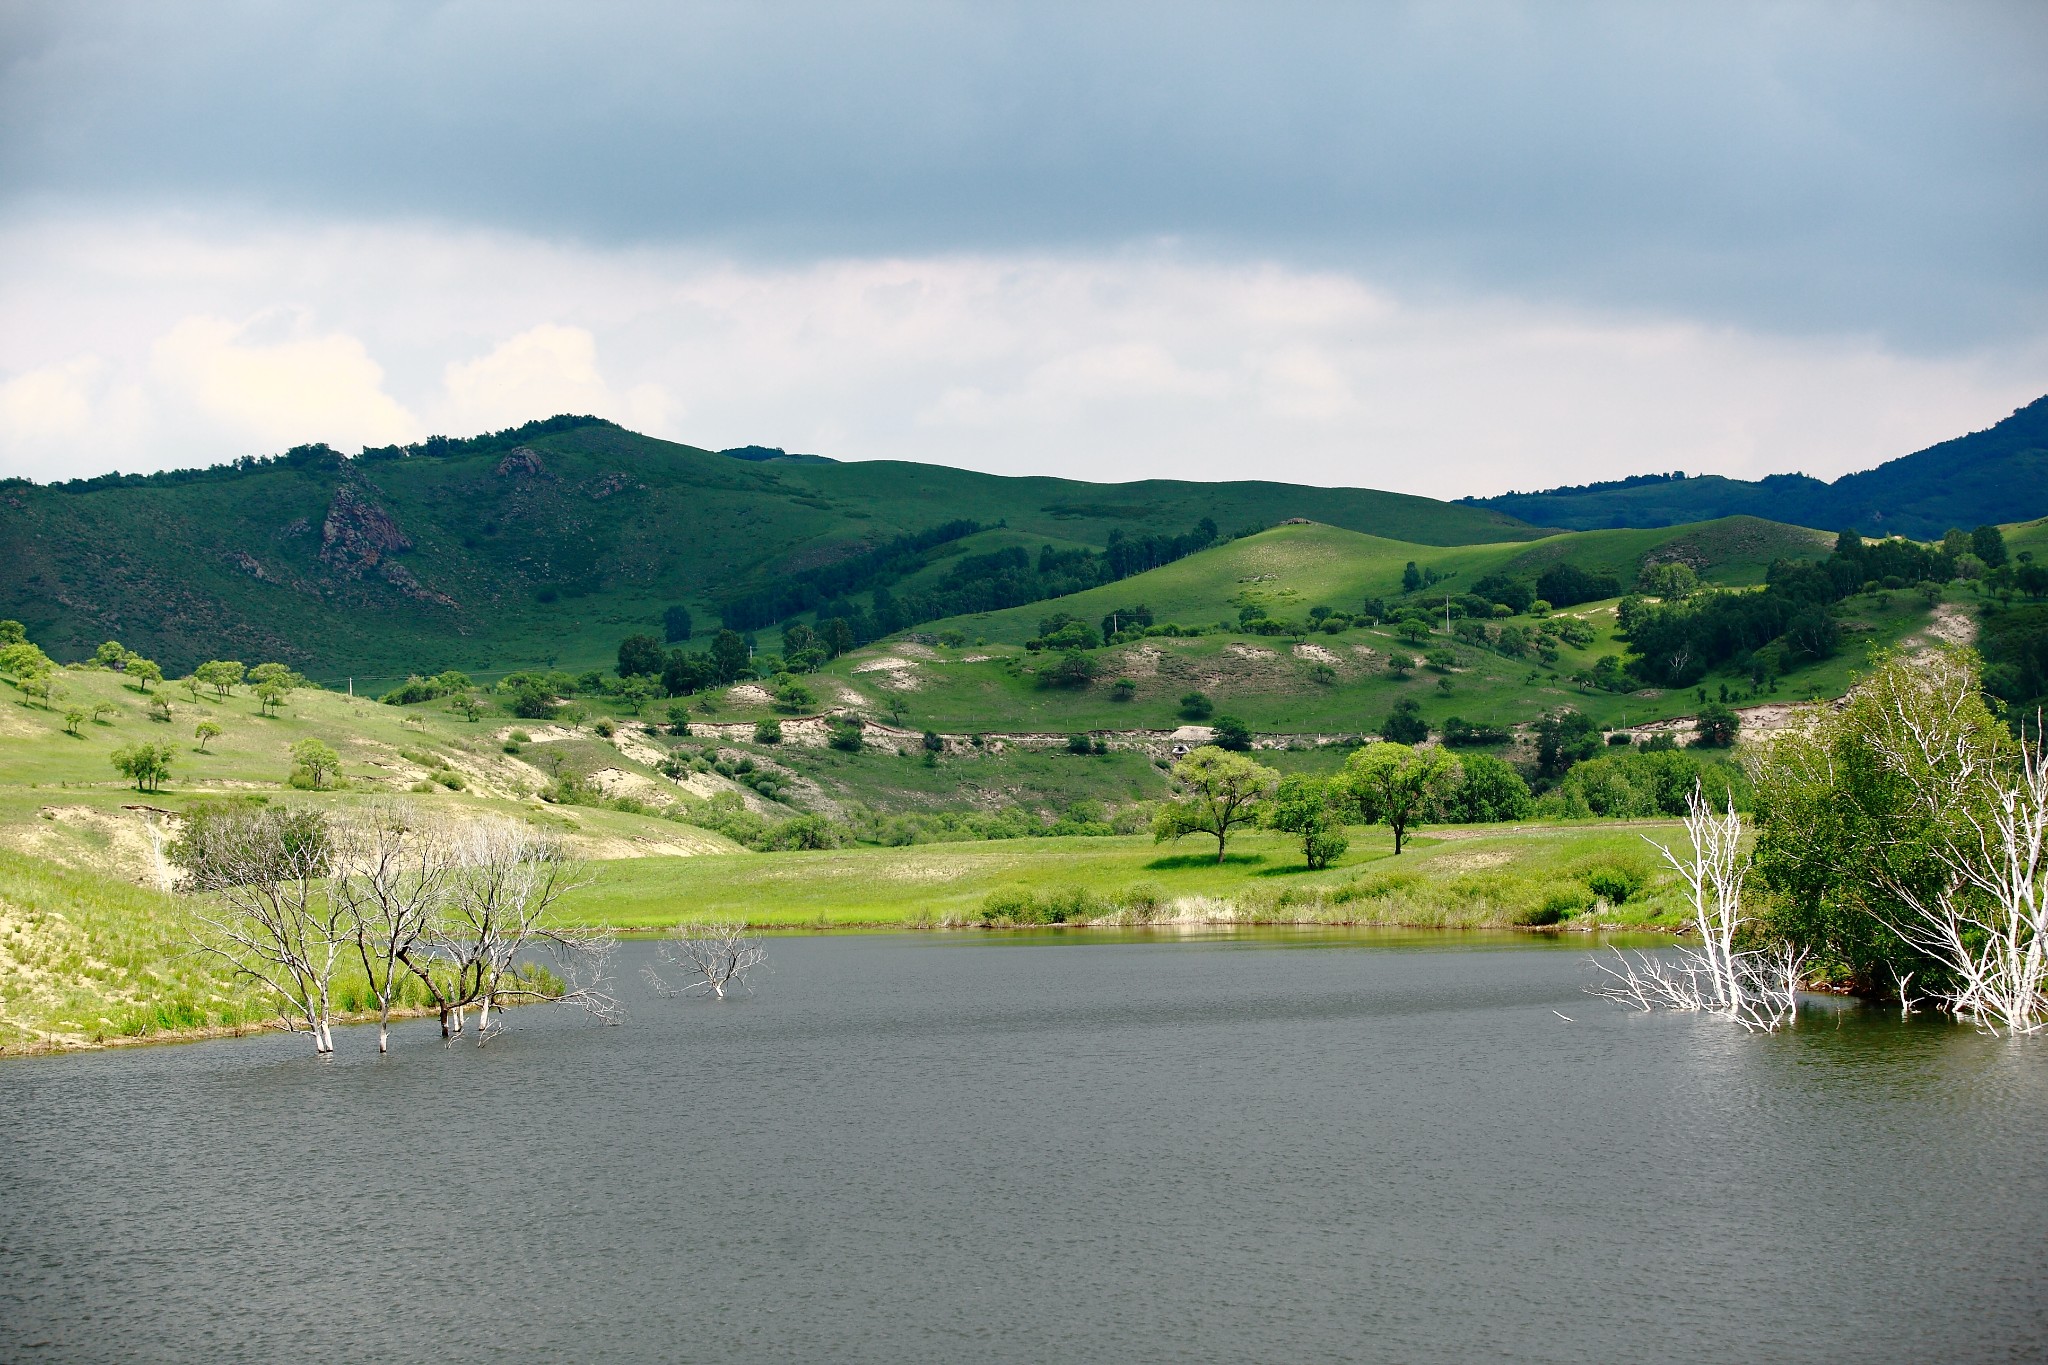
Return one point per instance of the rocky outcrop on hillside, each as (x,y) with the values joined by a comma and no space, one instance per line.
(522,463)
(605,485)
(401,578)
(358,535)
(251,566)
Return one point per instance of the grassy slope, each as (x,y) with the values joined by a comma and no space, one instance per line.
(1455,878)
(617,527)
(989,685)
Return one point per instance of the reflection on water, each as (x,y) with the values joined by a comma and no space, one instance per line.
(1083,1146)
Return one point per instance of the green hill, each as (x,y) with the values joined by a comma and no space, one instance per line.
(1985,478)
(544,544)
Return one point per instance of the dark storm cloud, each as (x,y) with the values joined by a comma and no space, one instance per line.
(1873,168)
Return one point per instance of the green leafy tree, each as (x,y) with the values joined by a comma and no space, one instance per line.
(1393,785)
(1301,806)
(22,659)
(640,655)
(1413,629)
(532,697)
(1404,724)
(679,717)
(147,765)
(1672,581)
(791,695)
(143,672)
(676,624)
(728,656)
(1489,792)
(270,696)
(1219,792)
(313,762)
(1564,737)
(204,731)
(110,655)
(160,708)
(1988,542)
(838,636)
(1717,726)
(222,675)
(1196,706)
(103,712)
(466,705)
(1123,689)
(1411,578)
(1844,831)
(12,633)
(1232,734)
(1072,669)
(74,716)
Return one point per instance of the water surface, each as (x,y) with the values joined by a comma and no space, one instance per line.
(1282,1147)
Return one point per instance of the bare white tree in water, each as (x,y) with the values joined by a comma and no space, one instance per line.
(710,957)
(1758,988)
(393,867)
(1988,924)
(263,902)
(498,938)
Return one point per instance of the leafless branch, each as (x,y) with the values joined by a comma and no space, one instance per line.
(707,957)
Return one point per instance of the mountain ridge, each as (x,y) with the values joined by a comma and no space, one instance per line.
(1994,476)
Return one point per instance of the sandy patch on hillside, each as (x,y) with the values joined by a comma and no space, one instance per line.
(670,841)
(617,782)
(539,733)
(1142,662)
(918,651)
(15,721)
(637,746)
(1249,652)
(887,661)
(977,658)
(1315,652)
(748,694)
(1474,862)
(110,842)
(1952,625)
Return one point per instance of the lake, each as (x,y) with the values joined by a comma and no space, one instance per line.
(1276,1146)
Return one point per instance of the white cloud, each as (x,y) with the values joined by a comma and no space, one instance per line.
(542,371)
(280,392)
(50,405)
(1140,363)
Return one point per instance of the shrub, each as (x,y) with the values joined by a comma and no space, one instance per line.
(1459,731)
(845,734)
(1615,884)
(1555,903)
(1123,689)
(1196,706)
(768,732)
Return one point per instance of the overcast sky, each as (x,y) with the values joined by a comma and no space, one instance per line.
(1439,248)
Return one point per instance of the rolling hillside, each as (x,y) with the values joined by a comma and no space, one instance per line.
(1985,478)
(545,544)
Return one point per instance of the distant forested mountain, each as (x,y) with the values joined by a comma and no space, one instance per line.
(552,540)
(1990,477)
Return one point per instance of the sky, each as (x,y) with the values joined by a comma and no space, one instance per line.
(1439,248)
